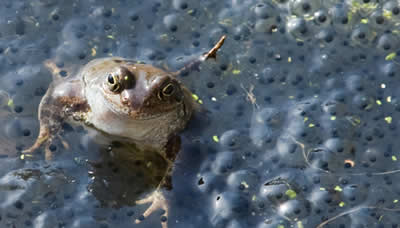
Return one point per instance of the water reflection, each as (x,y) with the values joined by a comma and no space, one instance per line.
(124,174)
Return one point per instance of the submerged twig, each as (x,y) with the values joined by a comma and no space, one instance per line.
(305,155)
(250,95)
(307,161)
(352,211)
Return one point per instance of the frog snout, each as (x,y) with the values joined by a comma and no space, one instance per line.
(131,99)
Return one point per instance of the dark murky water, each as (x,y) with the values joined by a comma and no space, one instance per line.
(303,110)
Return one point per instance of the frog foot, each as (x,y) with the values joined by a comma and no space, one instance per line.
(48,153)
(158,201)
(45,139)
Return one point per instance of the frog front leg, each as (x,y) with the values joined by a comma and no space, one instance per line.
(50,120)
(64,98)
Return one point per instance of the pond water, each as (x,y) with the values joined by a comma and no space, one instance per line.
(298,126)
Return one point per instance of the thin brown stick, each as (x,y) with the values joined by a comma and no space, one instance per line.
(212,53)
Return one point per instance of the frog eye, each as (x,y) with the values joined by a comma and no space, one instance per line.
(168,90)
(113,82)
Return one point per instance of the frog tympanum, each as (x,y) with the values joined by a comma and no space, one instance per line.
(121,98)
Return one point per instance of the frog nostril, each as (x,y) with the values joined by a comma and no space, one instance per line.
(179,98)
(124,99)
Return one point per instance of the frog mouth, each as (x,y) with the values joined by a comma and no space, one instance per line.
(147,115)
(142,115)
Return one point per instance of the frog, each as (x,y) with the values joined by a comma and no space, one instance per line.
(125,99)
(118,97)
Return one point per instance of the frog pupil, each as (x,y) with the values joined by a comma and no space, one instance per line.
(168,90)
(110,79)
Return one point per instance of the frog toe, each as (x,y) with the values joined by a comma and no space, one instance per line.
(158,201)
(29,153)
(43,138)
(30,150)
